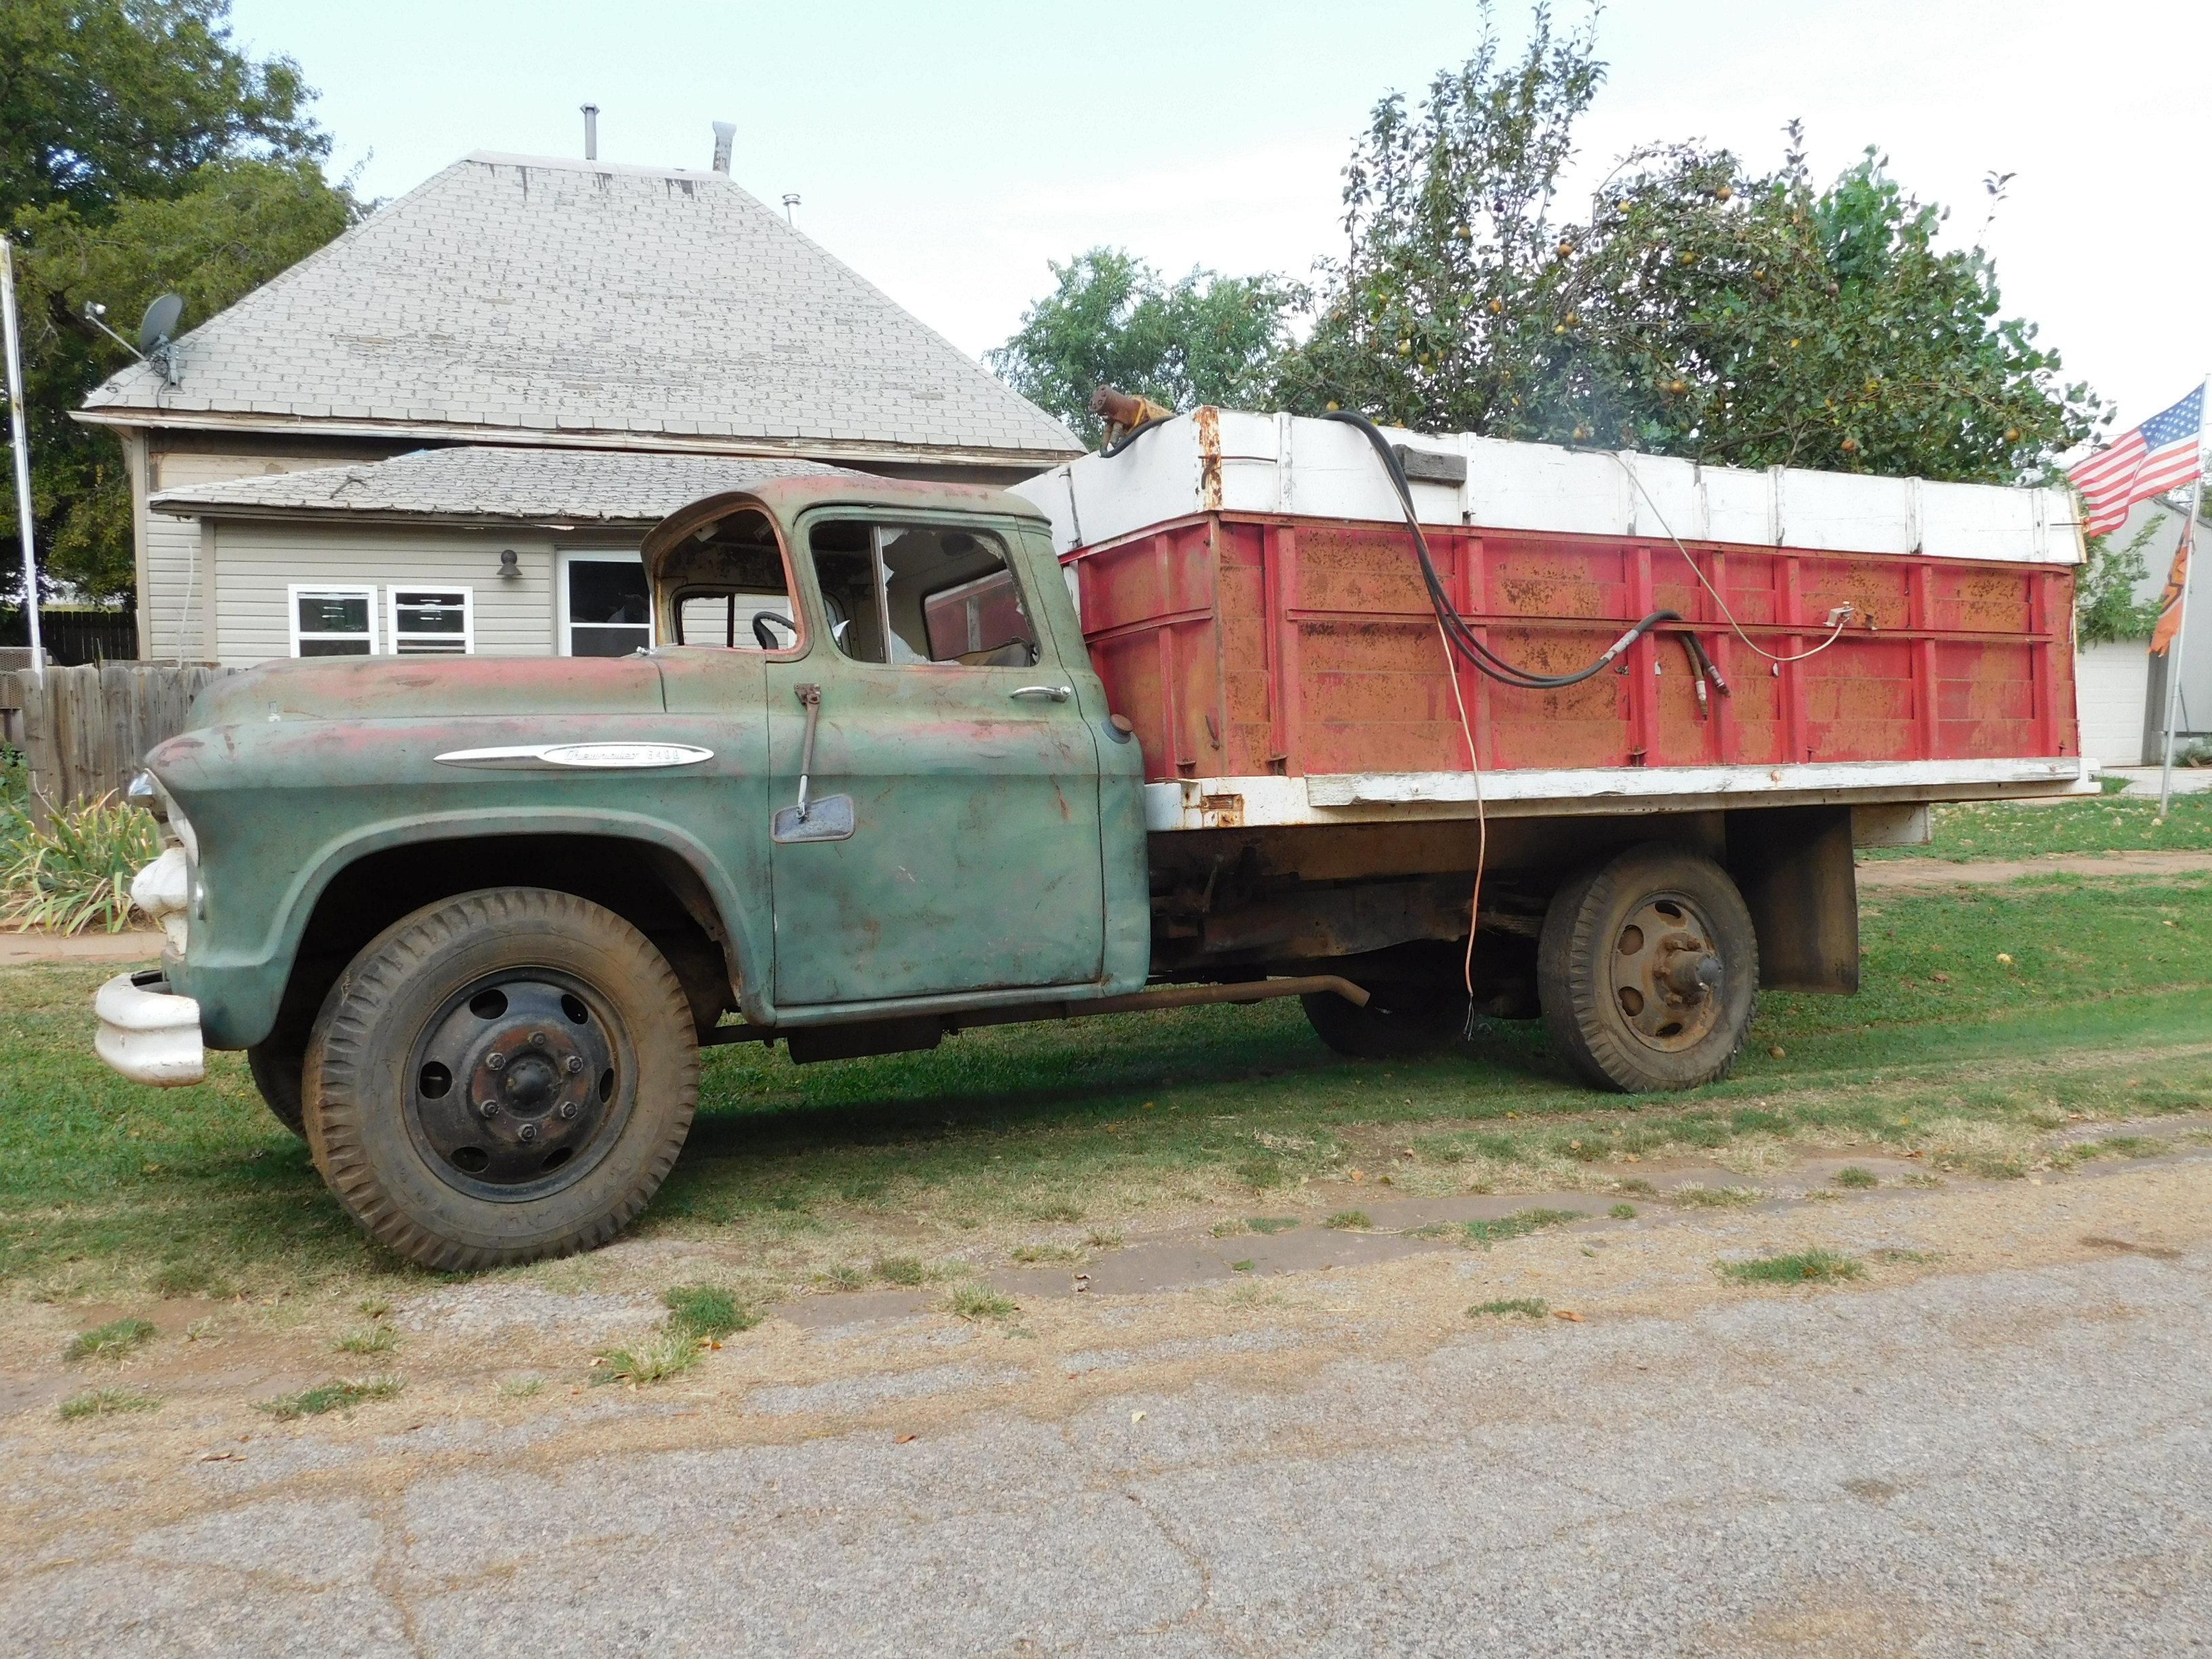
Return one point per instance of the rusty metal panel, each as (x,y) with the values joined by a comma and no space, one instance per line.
(1246,645)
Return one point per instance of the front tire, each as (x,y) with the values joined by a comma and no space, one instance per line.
(276,1067)
(499,1078)
(1648,971)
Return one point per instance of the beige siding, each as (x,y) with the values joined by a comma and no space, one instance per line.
(172,600)
(257,564)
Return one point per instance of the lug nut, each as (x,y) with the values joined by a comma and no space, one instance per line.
(489,1108)
(575,1063)
(568,1108)
(495,1061)
(537,1039)
(528,1132)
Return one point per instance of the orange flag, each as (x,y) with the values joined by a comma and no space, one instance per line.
(2169,602)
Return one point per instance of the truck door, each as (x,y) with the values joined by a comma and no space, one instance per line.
(950,841)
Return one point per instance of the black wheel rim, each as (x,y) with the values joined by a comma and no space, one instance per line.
(519,1084)
(1665,974)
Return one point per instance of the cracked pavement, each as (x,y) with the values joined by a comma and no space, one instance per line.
(2004,1449)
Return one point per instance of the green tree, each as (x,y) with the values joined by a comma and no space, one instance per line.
(139,152)
(1111,320)
(2105,608)
(1699,309)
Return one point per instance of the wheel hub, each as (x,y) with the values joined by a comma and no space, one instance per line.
(1667,976)
(512,1084)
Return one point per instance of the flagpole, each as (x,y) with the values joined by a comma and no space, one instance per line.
(22,447)
(2181,622)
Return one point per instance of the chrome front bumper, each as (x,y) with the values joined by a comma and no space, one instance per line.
(149,1033)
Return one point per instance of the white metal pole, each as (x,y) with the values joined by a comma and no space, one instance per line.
(22,447)
(2181,622)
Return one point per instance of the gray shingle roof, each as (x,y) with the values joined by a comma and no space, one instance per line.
(535,485)
(567,297)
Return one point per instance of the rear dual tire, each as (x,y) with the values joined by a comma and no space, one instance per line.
(499,1078)
(1648,971)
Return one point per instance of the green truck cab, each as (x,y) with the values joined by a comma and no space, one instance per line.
(471,919)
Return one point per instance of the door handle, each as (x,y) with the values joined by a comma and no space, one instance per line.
(1057,693)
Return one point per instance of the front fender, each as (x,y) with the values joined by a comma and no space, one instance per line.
(240,984)
(278,810)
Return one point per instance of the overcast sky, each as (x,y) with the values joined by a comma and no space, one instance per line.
(948,151)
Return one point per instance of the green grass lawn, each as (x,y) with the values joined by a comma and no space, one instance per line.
(2101,1010)
(2094,823)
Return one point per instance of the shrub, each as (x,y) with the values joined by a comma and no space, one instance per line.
(76,872)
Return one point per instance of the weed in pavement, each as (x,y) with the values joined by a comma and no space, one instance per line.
(1524,1307)
(1817,1267)
(106,1402)
(112,1340)
(336,1395)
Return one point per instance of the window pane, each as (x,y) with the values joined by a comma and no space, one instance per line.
(431,612)
(334,613)
(600,642)
(952,598)
(604,590)
(334,647)
(432,647)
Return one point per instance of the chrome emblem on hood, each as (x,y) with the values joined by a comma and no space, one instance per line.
(590,756)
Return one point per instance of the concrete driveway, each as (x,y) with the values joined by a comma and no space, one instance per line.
(1998,1441)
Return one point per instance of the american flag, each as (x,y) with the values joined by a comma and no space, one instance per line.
(2162,452)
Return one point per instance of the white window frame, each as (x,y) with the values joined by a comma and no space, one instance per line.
(444,590)
(347,590)
(594,556)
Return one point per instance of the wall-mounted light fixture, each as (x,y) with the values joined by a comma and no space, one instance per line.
(510,563)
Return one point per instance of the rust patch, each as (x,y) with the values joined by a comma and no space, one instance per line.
(1222,812)
(1207,419)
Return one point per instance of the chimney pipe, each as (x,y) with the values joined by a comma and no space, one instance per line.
(725,135)
(591,132)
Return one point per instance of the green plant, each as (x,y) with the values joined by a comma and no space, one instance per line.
(521,1388)
(975,1301)
(2105,609)
(1348,1218)
(1112,320)
(110,1341)
(1519,1224)
(336,1395)
(106,1402)
(1854,1176)
(1271,1223)
(1524,1307)
(76,872)
(1714,1198)
(1622,1212)
(1701,306)
(707,1312)
(655,1360)
(1243,1267)
(902,1270)
(1817,1267)
(377,1339)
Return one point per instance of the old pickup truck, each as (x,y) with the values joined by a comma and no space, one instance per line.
(1415,728)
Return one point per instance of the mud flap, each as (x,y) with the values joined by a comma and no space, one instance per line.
(1793,865)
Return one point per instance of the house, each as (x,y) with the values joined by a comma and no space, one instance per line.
(448,429)
(2120,687)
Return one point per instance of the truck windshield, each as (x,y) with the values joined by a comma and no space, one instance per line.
(921,593)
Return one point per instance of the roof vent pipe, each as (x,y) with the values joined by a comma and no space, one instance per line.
(726,136)
(591,132)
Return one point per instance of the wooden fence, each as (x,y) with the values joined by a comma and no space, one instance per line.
(85,731)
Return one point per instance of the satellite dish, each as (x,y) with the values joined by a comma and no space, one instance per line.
(160,325)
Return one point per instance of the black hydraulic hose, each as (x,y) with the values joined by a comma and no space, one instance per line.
(1462,637)
(1131,435)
